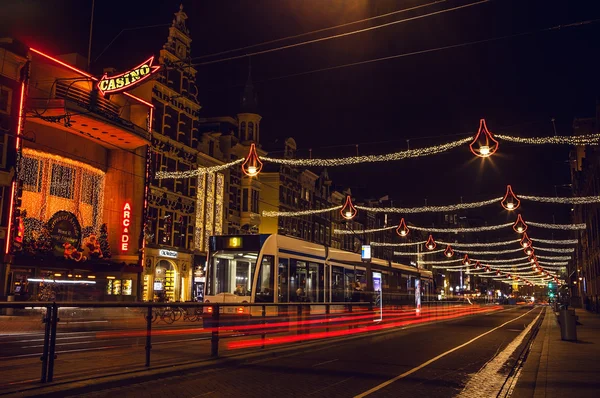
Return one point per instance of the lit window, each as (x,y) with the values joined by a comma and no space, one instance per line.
(62,182)
(31,174)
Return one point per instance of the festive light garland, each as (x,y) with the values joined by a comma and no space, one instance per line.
(558,241)
(555,249)
(161,175)
(554,258)
(267,213)
(429,209)
(489,251)
(410,153)
(52,183)
(587,139)
(569,227)
(419,253)
(576,200)
(397,244)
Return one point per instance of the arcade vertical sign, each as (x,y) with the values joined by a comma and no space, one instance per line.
(125,224)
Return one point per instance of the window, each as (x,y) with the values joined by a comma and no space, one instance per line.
(266,276)
(254,201)
(62,183)
(90,188)
(250,131)
(242,131)
(31,174)
(211,148)
(282,282)
(245,199)
(5,99)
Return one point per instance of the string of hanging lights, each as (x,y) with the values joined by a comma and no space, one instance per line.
(510,202)
(397,244)
(407,154)
(298,213)
(417,254)
(483,145)
(587,139)
(161,175)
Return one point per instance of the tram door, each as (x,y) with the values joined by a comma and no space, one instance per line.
(377,296)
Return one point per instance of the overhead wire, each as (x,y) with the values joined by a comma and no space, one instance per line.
(317,31)
(346,34)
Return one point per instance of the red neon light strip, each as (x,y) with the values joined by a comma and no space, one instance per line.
(10,213)
(74,69)
(20,121)
(13,186)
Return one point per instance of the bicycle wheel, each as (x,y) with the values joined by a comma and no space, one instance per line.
(168,316)
(178,313)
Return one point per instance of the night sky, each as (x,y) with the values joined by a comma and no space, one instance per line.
(517,84)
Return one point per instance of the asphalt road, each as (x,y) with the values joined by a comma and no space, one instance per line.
(434,360)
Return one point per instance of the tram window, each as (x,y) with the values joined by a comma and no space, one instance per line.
(312,282)
(264,291)
(231,273)
(283,281)
(337,284)
(298,274)
(349,284)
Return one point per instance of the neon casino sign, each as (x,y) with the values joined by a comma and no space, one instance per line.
(125,224)
(124,81)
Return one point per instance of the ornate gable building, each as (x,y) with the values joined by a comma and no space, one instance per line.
(184,212)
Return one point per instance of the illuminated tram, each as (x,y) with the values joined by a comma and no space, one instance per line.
(279,269)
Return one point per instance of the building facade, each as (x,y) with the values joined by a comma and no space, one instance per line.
(78,205)
(13,75)
(583,276)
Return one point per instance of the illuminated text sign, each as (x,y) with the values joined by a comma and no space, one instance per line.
(167,253)
(125,224)
(125,81)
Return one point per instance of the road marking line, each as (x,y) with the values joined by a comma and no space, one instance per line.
(432,360)
(323,363)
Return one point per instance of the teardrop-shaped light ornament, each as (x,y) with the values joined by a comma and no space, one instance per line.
(484,145)
(348,211)
(528,250)
(252,165)
(477,264)
(510,201)
(498,272)
(525,241)
(519,226)
(532,259)
(430,244)
(466,260)
(402,229)
(449,252)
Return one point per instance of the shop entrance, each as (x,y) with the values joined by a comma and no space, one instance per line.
(164,281)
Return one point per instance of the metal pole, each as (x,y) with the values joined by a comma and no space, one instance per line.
(214,339)
(44,357)
(148,335)
(89,60)
(51,355)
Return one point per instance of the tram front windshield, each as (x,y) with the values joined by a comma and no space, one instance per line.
(231,272)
